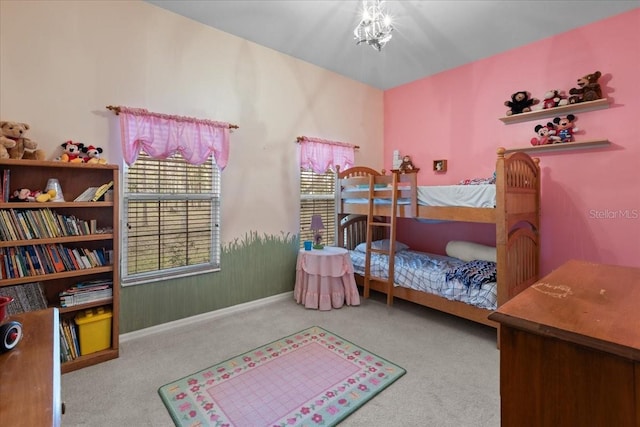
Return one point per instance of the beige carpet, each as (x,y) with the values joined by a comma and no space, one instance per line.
(452,365)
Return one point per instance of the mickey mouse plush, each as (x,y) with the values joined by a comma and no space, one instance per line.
(72,152)
(565,127)
(93,155)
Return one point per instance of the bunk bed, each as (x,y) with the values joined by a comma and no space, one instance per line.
(368,204)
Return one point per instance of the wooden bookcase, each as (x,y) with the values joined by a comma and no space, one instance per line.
(74,178)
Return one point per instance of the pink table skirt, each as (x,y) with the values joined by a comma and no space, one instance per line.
(324,279)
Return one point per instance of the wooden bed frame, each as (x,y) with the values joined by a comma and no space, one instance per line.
(516,217)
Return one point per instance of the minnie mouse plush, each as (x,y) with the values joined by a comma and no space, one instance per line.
(547,135)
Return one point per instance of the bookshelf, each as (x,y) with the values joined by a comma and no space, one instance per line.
(50,225)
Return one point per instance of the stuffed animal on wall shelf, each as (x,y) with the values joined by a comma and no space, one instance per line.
(520,102)
(24,148)
(588,89)
(565,127)
(546,135)
(554,98)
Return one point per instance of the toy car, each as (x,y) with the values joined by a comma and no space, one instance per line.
(10,332)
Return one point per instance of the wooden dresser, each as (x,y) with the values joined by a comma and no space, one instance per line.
(30,373)
(570,349)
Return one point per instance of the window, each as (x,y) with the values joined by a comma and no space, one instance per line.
(171,218)
(317,197)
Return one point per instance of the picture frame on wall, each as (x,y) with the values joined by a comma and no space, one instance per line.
(440,165)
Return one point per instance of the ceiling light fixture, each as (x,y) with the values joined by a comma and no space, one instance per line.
(375,27)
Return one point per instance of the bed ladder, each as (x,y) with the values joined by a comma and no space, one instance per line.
(391,195)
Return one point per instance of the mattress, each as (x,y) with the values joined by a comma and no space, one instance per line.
(427,273)
(473,196)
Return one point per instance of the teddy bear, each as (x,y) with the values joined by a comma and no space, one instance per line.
(71,152)
(4,144)
(406,165)
(520,103)
(554,98)
(547,134)
(588,89)
(24,147)
(26,195)
(92,155)
(565,127)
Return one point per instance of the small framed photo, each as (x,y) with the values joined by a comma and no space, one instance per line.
(440,165)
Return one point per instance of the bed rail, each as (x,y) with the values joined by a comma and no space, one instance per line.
(353,184)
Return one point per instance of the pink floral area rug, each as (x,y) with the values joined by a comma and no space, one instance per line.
(311,378)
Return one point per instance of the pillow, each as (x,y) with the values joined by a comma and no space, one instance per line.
(382,245)
(378,186)
(474,274)
(469,251)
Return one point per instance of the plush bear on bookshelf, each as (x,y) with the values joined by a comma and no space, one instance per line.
(26,195)
(4,144)
(24,147)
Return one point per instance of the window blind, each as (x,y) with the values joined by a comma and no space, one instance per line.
(172,218)
(317,197)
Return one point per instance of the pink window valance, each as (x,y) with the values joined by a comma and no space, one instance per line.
(321,155)
(163,135)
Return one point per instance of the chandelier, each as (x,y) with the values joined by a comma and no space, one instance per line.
(375,27)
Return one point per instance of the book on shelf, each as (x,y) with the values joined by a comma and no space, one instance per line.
(100,192)
(87,292)
(6,185)
(86,195)
(56,259)
(34,260)
(25,224)
(69,347)
(93,194)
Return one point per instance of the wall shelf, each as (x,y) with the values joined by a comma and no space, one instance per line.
(598,104)
(596,143)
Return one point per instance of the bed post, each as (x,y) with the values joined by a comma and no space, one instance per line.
(339,235)
(502,229)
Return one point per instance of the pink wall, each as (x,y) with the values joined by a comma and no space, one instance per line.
(590,198)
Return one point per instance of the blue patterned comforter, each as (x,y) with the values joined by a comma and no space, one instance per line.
(428,273)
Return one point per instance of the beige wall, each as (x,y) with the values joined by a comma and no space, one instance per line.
(62,62)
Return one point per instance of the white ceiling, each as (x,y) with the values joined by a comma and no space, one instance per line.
(429,36)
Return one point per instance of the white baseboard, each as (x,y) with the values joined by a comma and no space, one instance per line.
(204,316)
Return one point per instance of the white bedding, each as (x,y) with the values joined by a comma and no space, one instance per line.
(427,272)
(474,196)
